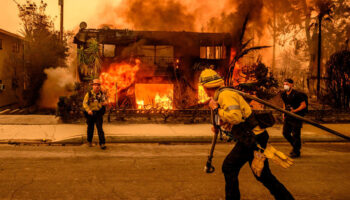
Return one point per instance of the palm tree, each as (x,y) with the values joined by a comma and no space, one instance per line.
(90,58)
(82,61)
(241,50)
(93,58)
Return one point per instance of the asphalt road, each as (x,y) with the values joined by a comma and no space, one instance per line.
(161,171)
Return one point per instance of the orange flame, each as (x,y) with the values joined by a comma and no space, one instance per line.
(202,95)
(121,73)
(140,104)
(159,96)
(232,55)
(163,102)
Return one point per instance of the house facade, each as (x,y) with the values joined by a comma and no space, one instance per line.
(170,62)
(11,68)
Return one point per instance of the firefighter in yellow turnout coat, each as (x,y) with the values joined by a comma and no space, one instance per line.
(94,108)
(236,117)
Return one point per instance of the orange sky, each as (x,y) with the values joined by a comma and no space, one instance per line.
(75,12)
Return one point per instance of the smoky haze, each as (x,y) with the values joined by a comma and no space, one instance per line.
(186,15)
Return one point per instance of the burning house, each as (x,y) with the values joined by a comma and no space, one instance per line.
(152,69)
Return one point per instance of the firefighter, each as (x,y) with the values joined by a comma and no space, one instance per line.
(236,116)
(94,108)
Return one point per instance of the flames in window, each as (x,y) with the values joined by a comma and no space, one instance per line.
(122,74)
(154,96)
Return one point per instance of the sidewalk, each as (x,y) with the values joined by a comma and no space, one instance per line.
(36,128)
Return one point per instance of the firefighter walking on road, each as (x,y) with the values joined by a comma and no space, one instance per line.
(237,118)
(94,108)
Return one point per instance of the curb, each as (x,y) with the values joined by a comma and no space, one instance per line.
(156,139)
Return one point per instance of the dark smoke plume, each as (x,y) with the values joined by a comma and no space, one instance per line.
(186,15)
(167,15)
(232,18)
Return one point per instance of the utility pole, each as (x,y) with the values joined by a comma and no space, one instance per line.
(274,40)
(61,2)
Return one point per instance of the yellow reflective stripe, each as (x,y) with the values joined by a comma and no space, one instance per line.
(208,79)
(233,107)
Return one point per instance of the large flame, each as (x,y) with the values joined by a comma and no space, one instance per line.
(159,96)
(122,74)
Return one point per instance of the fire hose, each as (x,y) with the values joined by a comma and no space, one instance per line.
(209,168)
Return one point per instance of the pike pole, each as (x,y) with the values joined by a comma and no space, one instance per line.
(209,168)
(292,114)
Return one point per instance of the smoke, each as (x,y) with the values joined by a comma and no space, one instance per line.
(185,15)
(165,15)
(168,15)
(59,82)
(232,18)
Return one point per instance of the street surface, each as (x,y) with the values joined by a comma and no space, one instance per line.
(162,171)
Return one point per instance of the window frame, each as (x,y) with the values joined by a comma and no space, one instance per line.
(215,52)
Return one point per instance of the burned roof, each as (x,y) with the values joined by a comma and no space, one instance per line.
(125,37)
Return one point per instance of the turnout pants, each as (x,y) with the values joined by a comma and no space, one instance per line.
(235,160)
(292,132)
(91,120)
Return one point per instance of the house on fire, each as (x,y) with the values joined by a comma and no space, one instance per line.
(168,66)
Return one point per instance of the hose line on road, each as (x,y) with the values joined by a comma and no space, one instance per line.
(292,114)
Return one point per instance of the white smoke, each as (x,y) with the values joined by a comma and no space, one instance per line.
(59,82)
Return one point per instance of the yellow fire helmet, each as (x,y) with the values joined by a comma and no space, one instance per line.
(210,79)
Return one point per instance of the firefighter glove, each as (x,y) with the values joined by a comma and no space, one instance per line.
(277,156)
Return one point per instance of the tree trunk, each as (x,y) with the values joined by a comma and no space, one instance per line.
(319,54)
(308,40)
(274,40)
